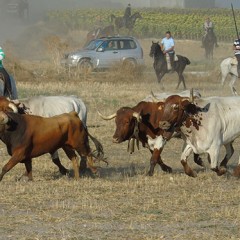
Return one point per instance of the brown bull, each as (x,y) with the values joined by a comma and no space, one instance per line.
(141,123)
(19,107)
(28,136)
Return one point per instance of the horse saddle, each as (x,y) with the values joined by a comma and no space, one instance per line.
(234,61)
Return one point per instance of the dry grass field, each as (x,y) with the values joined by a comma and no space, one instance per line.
(121,202)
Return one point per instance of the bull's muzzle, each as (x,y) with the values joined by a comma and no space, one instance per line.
(165,125)
(3,118)
(116,140)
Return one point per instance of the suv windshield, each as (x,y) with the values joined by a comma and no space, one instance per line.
(93,44)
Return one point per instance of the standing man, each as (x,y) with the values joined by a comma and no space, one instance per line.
(127,14)
(5,76)
(167,45)
(207,25)
(236,48)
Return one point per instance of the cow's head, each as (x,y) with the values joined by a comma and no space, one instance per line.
(174,111)
(125,119)
(7,105)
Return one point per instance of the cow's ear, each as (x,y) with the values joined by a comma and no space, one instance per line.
(191,108)
(185,103)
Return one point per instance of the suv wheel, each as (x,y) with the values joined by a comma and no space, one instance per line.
(129,64)
(85,66)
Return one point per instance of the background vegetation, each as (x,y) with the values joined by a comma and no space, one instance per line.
(184,23)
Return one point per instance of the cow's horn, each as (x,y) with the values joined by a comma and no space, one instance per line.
(137,116)
(15,101)
(107,117)
(154,98)
(13,107)
(191,96)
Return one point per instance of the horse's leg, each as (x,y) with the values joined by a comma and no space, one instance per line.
(232,81)
(159,77)
(224,75)
(181,79)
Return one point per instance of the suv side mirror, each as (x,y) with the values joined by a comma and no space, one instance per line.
(100,49)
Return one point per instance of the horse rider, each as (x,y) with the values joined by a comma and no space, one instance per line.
(3,72)
(127,14)
(236,48)
(208,24)
(167,45)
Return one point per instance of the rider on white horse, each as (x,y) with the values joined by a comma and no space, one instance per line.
(236,48)
(3,72)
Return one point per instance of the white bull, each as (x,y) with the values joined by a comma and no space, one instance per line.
(207,124)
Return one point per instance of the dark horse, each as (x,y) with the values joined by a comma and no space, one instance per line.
(100,32)
(160,64)
(121,22)
(208,43)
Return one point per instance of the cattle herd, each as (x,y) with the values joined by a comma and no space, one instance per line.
(34,126)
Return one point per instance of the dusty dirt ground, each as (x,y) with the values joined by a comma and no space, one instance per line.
(121,202)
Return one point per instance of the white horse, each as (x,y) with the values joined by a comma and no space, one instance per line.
(229,66)
(13,86)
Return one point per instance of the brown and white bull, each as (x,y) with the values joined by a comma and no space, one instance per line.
(27,137)
(141,122)
(207,124)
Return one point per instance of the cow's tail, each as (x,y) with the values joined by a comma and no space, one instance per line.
(98,153)
(187,60)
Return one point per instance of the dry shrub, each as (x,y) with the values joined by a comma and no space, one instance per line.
(55,49)
(14,65)
(125,73)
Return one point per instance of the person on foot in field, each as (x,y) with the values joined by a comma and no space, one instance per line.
(236,48)
(206,26)
(167,45)
(5,76)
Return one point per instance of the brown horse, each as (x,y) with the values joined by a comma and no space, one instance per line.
(121,22)
(100,32)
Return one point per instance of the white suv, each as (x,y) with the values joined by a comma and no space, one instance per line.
(106,52)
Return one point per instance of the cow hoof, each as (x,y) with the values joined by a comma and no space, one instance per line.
(166,168)
(236,172)
(65,171)
(192,174)
(221,171)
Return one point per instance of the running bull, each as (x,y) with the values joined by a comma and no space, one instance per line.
(25,141)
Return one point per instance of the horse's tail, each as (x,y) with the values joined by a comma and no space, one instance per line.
(187,60)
